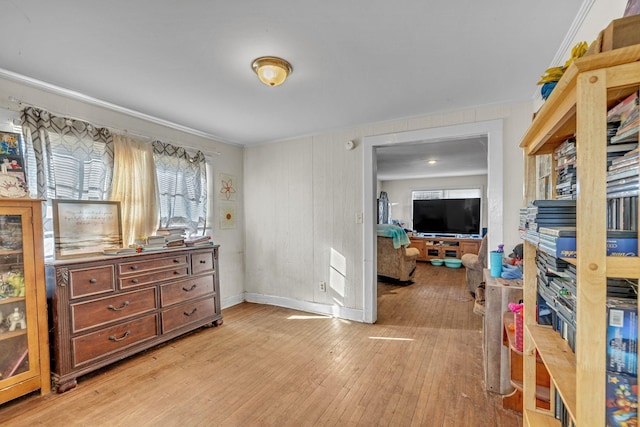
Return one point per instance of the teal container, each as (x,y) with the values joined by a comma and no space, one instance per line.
(495,263)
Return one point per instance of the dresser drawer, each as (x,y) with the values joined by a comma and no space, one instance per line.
(130,281)
(201,262)
(104,342)
(99,312)
(175,318)
(152,264)
(173,293)
(91,281)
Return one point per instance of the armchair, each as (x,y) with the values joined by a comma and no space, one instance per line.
(474,265)
(398,264)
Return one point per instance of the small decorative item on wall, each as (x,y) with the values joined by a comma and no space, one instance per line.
(228,216)
(10,144)
(12,178)
(227,187)
(83,227)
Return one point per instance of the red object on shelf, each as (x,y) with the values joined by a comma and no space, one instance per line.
(519,315)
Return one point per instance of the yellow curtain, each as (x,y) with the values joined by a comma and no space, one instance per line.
(134,185)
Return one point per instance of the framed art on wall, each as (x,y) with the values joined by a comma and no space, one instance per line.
(83,227)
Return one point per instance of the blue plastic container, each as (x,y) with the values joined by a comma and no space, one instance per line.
(495,263)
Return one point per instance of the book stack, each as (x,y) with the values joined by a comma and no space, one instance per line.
(565,157)
(623,175)
(560,242)
(551,213)
(173,236)
(198,241)
(626,113)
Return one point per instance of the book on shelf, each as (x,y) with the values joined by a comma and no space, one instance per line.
(621,400)
(558,231)
(565,247)
(626,147)
(623,109)
(622,335)
(626,135)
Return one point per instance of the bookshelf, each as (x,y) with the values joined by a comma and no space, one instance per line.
(578,105)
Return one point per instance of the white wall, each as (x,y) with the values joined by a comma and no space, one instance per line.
(317,180)
(229,161)
(399,192)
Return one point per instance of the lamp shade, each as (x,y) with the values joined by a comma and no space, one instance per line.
(271,71)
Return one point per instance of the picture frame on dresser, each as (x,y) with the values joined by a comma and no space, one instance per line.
(85,227)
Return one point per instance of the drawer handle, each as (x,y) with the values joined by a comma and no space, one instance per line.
(124,337)
(190,289)
(134,281)
(93,281)
(134,267)
(124,304)
(176,261)
(176,272)
(203,261)
(192,312)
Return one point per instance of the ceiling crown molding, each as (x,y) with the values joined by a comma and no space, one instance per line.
(67,93)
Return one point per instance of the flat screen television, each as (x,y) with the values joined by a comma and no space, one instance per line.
(447,216)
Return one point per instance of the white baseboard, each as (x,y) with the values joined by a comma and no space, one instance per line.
(309,307)
(231,301)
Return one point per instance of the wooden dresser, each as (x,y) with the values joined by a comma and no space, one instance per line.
(106,308)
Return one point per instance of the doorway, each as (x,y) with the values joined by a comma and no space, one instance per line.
(494,134)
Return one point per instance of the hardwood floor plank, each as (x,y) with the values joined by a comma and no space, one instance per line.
(419,365)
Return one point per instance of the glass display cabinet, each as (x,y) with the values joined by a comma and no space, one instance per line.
(24,352)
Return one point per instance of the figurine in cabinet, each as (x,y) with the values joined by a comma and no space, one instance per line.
(16,280)
(16,318)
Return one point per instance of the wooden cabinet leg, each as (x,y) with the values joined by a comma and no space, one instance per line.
(66,386)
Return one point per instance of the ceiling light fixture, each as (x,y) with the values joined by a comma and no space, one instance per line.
(432,162)
(271,71)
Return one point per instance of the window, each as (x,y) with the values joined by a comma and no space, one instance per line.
(182,186)
(73,160)
(454,193)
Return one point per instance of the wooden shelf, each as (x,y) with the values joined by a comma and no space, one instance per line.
(8,335)
(542,393)
(556,119)
(559,361)
(10,252)
(10,300)
(538,419)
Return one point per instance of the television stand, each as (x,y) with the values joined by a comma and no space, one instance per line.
(444,247)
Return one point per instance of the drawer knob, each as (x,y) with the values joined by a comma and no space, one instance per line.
(125,336)
(134,281)
(192,312)
(93,281)
(203,261)
(176,261)
(134,267)
(189,289)
(124,305)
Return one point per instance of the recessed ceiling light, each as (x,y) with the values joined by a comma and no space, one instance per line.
(432,162)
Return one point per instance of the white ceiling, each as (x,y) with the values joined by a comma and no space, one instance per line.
(459,157)
(355,61)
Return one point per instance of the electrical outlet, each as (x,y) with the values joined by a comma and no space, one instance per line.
(323,286)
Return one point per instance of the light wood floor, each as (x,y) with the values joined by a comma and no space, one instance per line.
(419,365)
